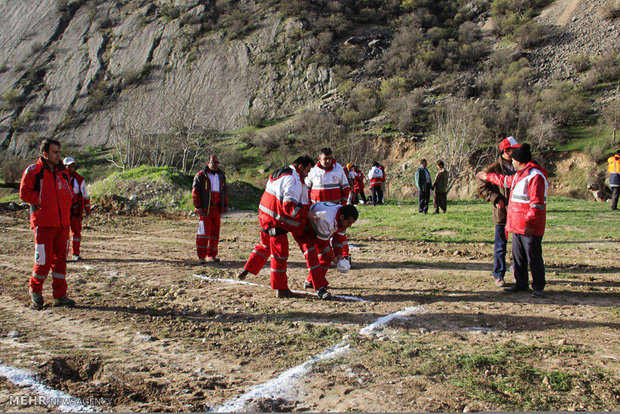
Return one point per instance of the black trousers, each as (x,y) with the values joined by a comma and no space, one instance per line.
(423,198)
(377,195)
(615,191)
(440,201)
(528,250)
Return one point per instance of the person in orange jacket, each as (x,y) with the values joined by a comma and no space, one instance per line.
(79,207)
(210,201)
(46,186)
(614,178)
(527,216)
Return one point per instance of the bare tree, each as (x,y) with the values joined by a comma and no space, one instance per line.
(611,117)
(459,134)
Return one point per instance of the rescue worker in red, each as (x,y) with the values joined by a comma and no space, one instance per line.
(79,207)
(331,224)
(284,207)
(210,201)
(358,185)
(376,177)
(328,181)
(527,215)
(614,178)
(46,187)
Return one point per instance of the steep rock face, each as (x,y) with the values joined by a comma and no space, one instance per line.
(69,72)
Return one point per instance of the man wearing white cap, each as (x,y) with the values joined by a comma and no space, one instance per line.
(499,197)
(79,207)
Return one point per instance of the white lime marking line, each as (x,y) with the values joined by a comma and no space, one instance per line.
(243,282)
(283,385)
(61,401)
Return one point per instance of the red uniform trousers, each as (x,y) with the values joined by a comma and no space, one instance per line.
(318,255)
(76,229)
(275,246)
(208,236)
(51,246)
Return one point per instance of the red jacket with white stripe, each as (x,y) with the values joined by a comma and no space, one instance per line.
(328,184)
(376,177)
(285,202)
(528,195)
(49,194)
(81,199)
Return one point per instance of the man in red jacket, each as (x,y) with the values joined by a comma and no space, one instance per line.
(527,214)
(80,206)
(283,208)
(46,187)
(210,201)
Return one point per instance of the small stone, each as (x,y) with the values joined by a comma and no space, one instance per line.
(562,341)
(14,334)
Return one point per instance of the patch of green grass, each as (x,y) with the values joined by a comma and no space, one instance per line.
(471,221)
(590,139)
(11,198)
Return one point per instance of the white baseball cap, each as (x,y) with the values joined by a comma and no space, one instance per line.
(68,161)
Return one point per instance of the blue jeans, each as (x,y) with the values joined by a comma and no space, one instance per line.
(499,252)
(528,250)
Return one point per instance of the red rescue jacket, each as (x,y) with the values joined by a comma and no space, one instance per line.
(528,197)
(204,196)
(49,194)
(328,184)
(81,199)
(285,202)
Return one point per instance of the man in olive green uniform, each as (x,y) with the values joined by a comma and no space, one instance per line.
(440,199)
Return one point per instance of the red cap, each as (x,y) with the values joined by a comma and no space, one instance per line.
(509,142)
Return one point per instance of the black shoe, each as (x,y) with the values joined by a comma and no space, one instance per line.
(308,285)
(286,293)
(37,301)
(242,275)
(538,294)
(323,294)
(64,301)
(516,288)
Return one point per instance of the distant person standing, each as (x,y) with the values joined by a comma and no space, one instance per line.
(46,187)
(527,216)
(499,195)
(210,201)
(80,206)
(358,185)
(440,186)
(614,178)
(375,176)
(423,183)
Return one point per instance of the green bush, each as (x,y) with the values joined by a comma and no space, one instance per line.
(580,62)
(563,103)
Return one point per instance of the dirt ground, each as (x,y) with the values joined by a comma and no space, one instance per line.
(148,335)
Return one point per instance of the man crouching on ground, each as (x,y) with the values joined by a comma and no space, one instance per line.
(46,187)
(332,221)
(527,215)
(284,207)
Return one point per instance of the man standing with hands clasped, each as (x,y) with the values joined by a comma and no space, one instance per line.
(527,213)
(210,201)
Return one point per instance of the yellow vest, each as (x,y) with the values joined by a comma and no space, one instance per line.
(614,164)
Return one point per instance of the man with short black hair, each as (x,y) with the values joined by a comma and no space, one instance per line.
(210,201)
(284,207)
(440,187)
(376,177)
(332,222)
(424,183)
(46,187)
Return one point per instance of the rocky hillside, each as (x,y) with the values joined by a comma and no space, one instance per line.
(69,69)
